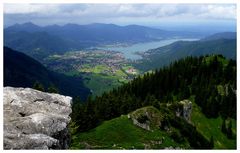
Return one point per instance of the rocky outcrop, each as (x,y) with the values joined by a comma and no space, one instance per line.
(184,110)
(146,118)
(35,119)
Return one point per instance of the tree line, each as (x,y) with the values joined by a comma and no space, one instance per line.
(198,76)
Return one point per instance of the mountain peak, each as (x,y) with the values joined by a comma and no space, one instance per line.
(29,24)
(28,27)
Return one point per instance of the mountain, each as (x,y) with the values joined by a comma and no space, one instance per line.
(41,41)
(27,27)
(165,55)
(188,104)
(38,44)
(222,35)
(21,70)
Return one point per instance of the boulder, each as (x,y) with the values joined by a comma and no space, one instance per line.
(35,119)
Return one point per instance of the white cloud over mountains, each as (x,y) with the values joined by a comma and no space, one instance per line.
(115,13)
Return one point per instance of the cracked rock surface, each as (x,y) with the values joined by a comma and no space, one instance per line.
(35,119)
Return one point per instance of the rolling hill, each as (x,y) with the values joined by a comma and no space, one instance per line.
(222,35)
(167,54)
(39,41)
(21,70)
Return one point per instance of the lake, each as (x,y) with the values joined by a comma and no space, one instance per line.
(130,51)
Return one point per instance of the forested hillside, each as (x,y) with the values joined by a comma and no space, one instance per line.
(221,35)
(21,70)
(163,56)
(210,82)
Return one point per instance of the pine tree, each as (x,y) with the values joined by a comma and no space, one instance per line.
(229,130)
(53,89)
(224,129)
(211,143)
(38,86)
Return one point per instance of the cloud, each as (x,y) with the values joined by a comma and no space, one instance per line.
(31,8)
(121,13)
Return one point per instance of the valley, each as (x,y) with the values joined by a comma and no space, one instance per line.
(107,67)
(104,68)
(101,70)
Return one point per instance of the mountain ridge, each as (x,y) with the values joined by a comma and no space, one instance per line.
(75,37)
(221,35)
(163,56)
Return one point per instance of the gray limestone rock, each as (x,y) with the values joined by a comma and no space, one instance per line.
(185,110)
(35,119)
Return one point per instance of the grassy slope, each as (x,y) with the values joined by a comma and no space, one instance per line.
(212,127)
(100,83)
(120,133)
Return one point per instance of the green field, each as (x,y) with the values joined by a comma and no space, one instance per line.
(100,78)
(99,83)
(95,69)
(101,71)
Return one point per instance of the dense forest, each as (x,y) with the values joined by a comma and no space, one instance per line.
(211,80)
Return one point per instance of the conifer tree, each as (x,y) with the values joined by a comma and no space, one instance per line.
(229,130)
(53,89)
(211,143)
(38,86)
(224,129)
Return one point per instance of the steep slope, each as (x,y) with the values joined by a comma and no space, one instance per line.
(23,71)
(126,131)
(209,82)
(122,133)
(165,55)
(38,44)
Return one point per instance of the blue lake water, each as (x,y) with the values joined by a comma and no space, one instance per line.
(130,51)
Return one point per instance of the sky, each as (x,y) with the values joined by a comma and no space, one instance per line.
(155,15)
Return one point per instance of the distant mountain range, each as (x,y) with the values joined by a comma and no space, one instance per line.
(39,41)
(220,43)
(21,70)
(222,35)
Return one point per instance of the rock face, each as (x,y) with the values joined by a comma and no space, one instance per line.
(185,110)
(35,119)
